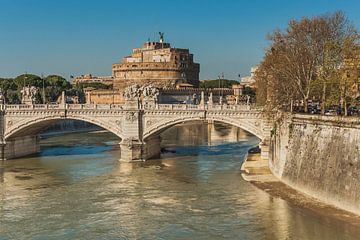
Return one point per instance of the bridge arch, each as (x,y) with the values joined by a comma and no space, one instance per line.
(34,125)
(251,126)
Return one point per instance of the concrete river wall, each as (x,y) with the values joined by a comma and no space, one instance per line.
(320,156)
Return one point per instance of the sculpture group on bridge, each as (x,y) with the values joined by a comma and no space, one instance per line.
(133,92)
(28,95)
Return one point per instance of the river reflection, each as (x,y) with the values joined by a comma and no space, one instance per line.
(79,190)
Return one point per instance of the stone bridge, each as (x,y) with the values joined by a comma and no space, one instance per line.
(138,126)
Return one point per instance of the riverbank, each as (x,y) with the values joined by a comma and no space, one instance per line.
(257,172)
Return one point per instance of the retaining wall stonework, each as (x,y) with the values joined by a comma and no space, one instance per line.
(320,156)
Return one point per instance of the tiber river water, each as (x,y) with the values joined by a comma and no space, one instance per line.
(77,189)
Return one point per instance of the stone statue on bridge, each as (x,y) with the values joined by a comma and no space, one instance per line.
(132,92)
(28,95)
(150,92)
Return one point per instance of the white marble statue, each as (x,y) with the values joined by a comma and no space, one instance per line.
(132,92)
(28,95)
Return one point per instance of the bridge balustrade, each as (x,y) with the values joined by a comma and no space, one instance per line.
(40,106)
(189,106)
(53,106)
(11,107)
(121,106)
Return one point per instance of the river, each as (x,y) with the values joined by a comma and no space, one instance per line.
(77,189)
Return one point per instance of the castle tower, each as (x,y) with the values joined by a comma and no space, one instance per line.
(156,63)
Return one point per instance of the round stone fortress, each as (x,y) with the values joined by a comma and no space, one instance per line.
(156,63)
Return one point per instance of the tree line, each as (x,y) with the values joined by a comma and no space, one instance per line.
(314,60)
(49,88)
(217,83)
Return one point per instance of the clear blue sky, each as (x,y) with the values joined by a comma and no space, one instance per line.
(71,37)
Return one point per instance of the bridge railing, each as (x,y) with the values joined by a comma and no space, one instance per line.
(231,107)
(200,107)
(60,106)
(121,106)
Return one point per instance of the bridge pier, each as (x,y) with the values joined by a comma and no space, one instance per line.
(152,147)
(19,147)
(136,150)
(131,150)
(264,146)
(2,151)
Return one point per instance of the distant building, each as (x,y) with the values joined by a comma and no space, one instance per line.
(249,81)
(103,96)
(156,63)
(88,78)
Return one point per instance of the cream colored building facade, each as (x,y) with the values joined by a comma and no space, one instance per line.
(89,78)
(156,63)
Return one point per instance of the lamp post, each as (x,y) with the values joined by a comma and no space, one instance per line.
(25,77)
(222,87)
(43,88)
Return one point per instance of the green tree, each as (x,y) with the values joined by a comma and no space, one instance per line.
(54,85)
(303,61)
(27,80)
(95,85)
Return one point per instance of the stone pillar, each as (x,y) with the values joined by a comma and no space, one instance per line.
(131,145)
(88,98)
(20,147)
(132,104)
(152,147)
(2,151)
(210,128)
(131,150)
(63,100)
(2,128)
(264,146)
(202,100)
(236,100)
(149,103)
(210,100)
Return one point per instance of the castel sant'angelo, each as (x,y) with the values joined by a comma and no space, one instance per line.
(155,63)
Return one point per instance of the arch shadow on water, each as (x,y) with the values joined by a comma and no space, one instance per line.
(225,148)
(89,140)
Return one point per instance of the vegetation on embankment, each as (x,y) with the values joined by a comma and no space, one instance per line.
(314,60)
(218,83)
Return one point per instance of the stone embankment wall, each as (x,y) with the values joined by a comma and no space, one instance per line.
(320,156)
